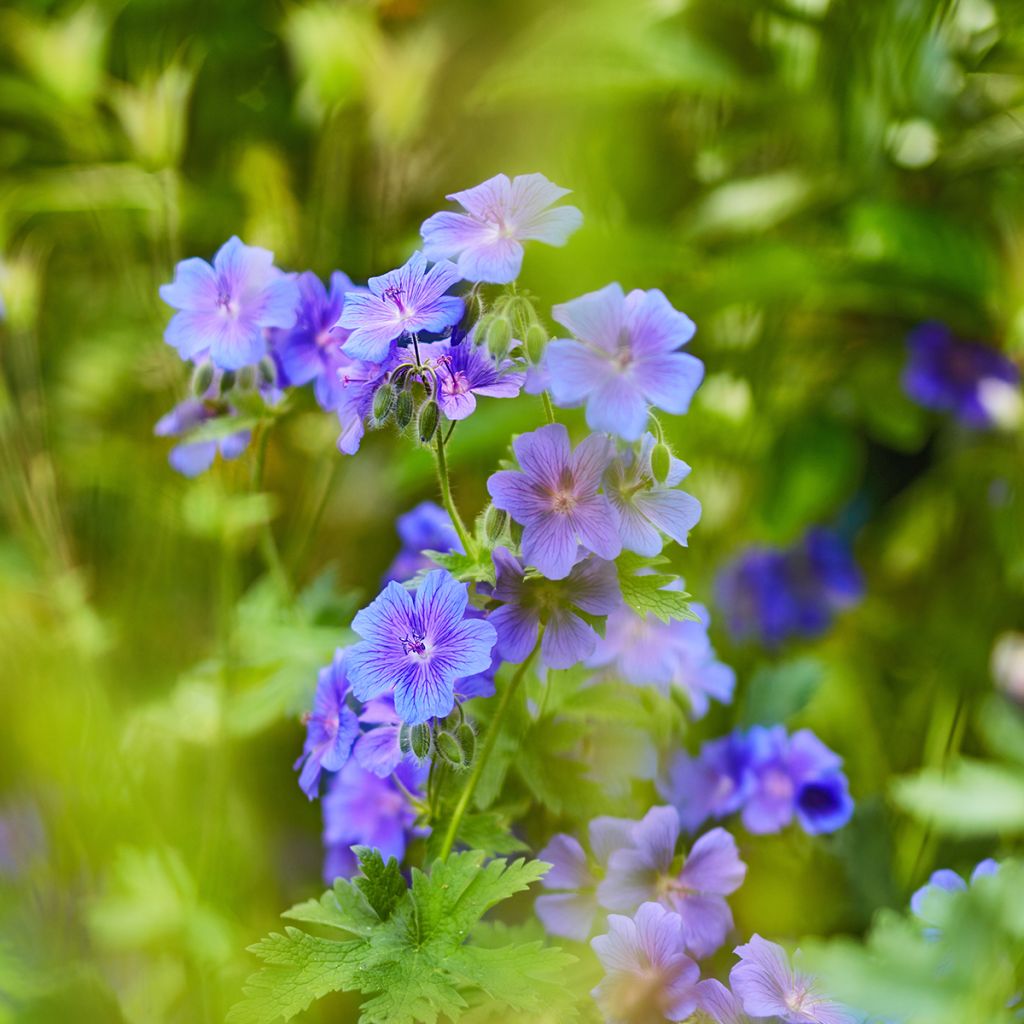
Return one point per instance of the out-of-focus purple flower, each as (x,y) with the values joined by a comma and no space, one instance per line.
(720,1004)
(946,881)
(311,348)
(772,595)
(592,586)
(555,498)
(418,645)
(427,527)
(646,651)
(623,359)
(645,508)
(648,976)
(500,215)
(22,838)
(194,457)
(768,987)
(465,370)
(714,784)
(571,909)
(362,809)
(349,391)
(643,870)
(331,727)
(400,303)
(225,308)
(956,376)
(795,775)
(378,748)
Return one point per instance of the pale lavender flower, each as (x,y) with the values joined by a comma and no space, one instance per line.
(418,645)
(768,987)
(500,215)
(190,458)
(555,498)
(623,359)
(225,308)
(648,976)
(400,303)
(720,1004)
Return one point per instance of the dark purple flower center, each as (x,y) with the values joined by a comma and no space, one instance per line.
(414,643)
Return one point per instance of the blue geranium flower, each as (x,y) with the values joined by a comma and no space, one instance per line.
(427,527)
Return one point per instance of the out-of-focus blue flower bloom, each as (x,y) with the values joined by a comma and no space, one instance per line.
(362,809)
(623,359)
(500,215)
(555,498)
(592,586)
(349,391)
(570,912)
(643,870)
(465,370)
(647,651)
(959,377)
(400,303)
(645,508)
(427,527)
(194,457)
(331,727)
(768,987)
(648,977)
(772,595)
(719,1003)
(418,645)
(946,881)
(311,349)
(714,784)
(225,308)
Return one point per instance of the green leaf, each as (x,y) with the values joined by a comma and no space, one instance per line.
(381,884)
(466,568)
(777,692)
(643,589)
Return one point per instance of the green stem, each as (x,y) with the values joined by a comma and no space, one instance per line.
(268,546)
(478,767)
(549,409)
(446,496)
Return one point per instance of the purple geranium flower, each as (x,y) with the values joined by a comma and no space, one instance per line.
(349,392)
(465,370)
(225,308)
(768,987)
(643,870)
(311,349)
(194,457)
(956,376)
(555,498)
(946,881)
(649,978)
(592,586)
(418,645)
(714,784)
(645,508)
(331,727)
(378,749)
(624,359)
(427,527)
(719,1003)
(400,303)
(362,809)
(500,216)
(647,651)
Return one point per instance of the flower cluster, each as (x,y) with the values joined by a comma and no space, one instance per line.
(768,776)
(772,596)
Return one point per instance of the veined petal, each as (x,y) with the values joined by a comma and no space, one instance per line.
(567,641)
(495,260)
(636,532)
(544,453)
(588,463)
(531,194)
(516,628)
(576,370)
(619,407)
(594,586)
(192,332)
(594,522)
(669,381)
(513,492)
(568,914)
(655,327)
(466,650)
(445,235)
(422,693)
(549,544)
(487,199)
(673,512)
(596,318)
(551,226)
(440,602)
(713,864)
(194,286)
(706,921)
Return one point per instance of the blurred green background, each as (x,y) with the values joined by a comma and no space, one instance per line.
(807,179)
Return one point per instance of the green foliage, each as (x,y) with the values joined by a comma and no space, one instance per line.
(643,588)
(777,692)
(410,954)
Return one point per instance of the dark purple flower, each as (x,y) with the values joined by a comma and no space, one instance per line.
(500,215)
(400,303)
(418,645)
(190,458)
(646,508)
(427,527)
(624,359)
(768,987)
(225,308)
(571,909)
(331,727)
(362,809)
(649,978)
(643,870)
(555,498)
(959,377)
(592,586)
(465,370)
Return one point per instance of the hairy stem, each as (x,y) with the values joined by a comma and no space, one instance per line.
(493,731)
(446,496)
(549,409)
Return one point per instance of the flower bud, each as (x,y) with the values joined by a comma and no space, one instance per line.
(420,740)
(449,750)
(245,378)
(499,335)
(383,400)
(427,423)
(404,410)
(227,380)
(495,521)
(202,378)
(536,340)
(267,371)
(466,737)
(516,532)
(521,315)
(661,461)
